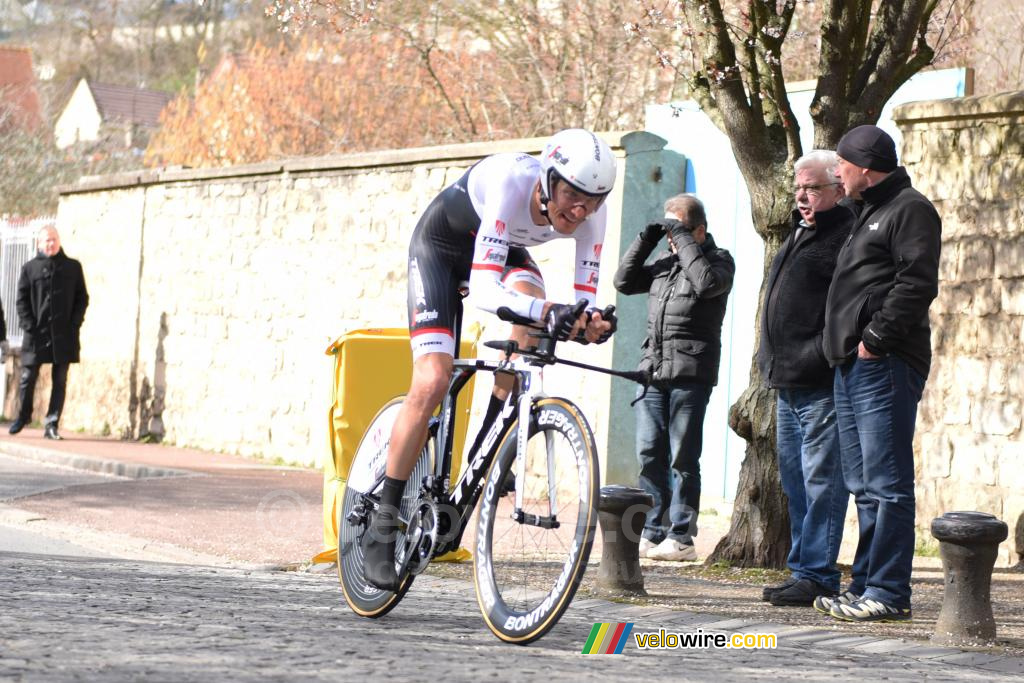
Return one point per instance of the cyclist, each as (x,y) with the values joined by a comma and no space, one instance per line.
(477,230)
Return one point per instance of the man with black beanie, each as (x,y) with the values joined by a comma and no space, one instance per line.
(878,339)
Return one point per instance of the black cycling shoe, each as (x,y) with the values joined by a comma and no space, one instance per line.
(378,545)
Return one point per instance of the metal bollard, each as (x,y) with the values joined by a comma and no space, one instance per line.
(622,511)
(968,543)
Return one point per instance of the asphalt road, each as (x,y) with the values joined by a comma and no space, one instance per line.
(20,478)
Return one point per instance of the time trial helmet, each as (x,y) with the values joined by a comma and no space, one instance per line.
(581,159)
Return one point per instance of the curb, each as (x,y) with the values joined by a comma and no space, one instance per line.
(117,468)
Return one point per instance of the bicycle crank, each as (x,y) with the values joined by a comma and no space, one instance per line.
(421,538)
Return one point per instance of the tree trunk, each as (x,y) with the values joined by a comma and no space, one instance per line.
(759,534)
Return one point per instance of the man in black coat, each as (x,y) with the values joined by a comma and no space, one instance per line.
(878,338)
(51,306)
(791,361)
(687,288)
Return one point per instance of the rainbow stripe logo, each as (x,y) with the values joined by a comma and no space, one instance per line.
(607,639)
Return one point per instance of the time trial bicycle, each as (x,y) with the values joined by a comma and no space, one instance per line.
(535,476)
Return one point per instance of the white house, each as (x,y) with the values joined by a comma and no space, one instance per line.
(98,111)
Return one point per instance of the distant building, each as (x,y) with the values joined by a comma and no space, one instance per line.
(118,114)
(19,100)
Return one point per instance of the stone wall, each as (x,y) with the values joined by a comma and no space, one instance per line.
(967,155)
(214,293)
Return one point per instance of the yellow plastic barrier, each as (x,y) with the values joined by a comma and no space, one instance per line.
(371,367)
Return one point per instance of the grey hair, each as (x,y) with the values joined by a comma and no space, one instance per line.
(47,228)
(688,207)
(822,159)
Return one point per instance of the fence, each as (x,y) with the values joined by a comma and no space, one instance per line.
(17,246)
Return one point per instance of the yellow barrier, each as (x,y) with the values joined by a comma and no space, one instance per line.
(371,367)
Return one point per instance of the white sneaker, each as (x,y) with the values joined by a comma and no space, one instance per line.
(673,551)
(646,545)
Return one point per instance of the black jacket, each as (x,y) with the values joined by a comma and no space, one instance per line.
(790,355)
(886,277)
(688,291)
(51,307)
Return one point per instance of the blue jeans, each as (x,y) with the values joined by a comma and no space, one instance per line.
(876,406)
(812,477)
(669,439)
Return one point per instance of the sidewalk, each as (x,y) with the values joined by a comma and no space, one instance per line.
(174,504)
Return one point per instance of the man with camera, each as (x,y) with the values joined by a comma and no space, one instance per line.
(687,287)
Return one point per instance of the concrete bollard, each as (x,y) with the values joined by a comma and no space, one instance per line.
(622,511)
(968,543)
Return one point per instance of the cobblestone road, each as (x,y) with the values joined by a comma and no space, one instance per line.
(109,620)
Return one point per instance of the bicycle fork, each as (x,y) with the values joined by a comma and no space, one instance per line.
(550,521)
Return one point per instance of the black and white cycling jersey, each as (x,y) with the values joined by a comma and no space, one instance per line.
(477,230)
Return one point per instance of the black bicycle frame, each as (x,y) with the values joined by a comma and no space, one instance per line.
(463,496)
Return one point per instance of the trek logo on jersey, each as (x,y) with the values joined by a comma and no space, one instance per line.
(487,239)
(597,251)
(417,284)
(590,264)
(499,227)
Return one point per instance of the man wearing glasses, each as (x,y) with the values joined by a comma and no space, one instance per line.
(791,361)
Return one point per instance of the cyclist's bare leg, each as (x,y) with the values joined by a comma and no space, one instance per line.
(431,374)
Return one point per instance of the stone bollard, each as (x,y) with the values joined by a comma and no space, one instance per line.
(968,543)
(622,511)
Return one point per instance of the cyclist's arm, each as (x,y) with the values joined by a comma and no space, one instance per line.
(490,253)
(589,242)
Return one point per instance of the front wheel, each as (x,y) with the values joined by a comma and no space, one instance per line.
(531,554)
(353,514)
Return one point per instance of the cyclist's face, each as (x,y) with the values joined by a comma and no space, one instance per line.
(569,207)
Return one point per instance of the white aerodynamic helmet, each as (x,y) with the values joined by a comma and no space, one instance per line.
(581,159)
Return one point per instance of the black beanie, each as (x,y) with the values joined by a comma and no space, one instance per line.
(868,147)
